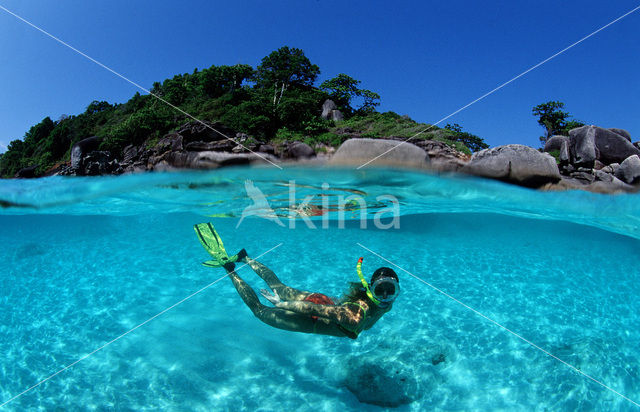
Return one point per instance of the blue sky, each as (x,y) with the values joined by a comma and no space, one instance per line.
(426,59)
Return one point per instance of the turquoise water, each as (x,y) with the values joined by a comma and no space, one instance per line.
(88,259)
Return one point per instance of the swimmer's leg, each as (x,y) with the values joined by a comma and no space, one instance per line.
(285,292)
(276,317)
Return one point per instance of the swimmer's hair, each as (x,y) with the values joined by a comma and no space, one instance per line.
(354,292)
(384,272)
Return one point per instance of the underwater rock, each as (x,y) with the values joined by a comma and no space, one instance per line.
(514,163)
(387,384)
(355,152)
(438,358)
(398,371)
(29,250)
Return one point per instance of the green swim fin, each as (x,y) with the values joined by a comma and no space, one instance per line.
(213,244)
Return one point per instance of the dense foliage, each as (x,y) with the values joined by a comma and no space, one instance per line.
(473,142)
(275,101)
(554,120)
(343,89)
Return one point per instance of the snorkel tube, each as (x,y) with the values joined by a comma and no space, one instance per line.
(365,284)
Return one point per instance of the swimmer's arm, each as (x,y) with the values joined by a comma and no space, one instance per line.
(338,314)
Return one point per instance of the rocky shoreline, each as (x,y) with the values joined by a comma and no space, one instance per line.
(590,158)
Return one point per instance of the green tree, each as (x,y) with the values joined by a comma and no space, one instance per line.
(58,141)
(473,142)
(571,124)
(370,101)
(11,160)
(135,129)
(97,107)
(219,80)
(554,119)
(342,89)
(283,69)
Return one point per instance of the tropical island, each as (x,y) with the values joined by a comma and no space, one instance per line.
(230,115)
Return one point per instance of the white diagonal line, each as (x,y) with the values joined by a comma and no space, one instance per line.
(499,325)
(504,84)
(129,331)
(133,83)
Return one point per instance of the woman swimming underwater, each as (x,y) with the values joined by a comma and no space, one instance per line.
(307,312)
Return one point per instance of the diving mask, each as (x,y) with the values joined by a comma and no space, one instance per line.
(383,291)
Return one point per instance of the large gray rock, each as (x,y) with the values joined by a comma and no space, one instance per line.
(297,150)
(98,163)
(613,186)
(172,141)
(565,153)
(266,148)
(589,143)
(629,170)
(555,143)
(327,107)
(583,146)
(621,132)
(330,111)
(224,145)
(560,144)
(27,172)
(207,160)
(442,157)
(80,149)
(356,152)
(130,153)
(514,163)
(205,131)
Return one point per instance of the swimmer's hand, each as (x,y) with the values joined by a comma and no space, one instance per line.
(275,299)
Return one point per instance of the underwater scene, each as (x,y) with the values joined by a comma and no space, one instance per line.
(510,298)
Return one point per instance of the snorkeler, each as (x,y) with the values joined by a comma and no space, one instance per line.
(299,311)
